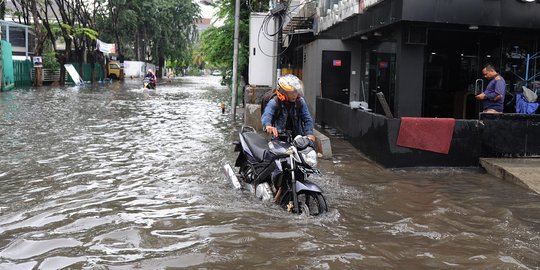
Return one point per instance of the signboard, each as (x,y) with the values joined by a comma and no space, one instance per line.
(365,4)
(105,47)
(336,63)
(38,61)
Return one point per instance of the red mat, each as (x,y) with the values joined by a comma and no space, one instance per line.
(430,134)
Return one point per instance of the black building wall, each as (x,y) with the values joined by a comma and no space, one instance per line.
(409,78)
(376,136)
(499,13)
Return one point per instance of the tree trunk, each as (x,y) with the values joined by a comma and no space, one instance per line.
(161,64)
(93,63)
(38,76)
(63,61)
(137,39)
(40,40)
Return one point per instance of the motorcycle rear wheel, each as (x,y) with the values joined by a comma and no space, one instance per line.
(246,172)
(309,201)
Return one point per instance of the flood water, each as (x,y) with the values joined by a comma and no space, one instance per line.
(114,177)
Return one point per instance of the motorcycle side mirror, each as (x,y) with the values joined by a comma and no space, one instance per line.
(301,142)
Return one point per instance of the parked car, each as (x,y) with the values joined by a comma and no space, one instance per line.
(216,73)
(114,70)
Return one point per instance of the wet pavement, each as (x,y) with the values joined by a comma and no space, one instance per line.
(520,171)
(116,177)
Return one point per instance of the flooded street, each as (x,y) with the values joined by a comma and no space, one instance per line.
(114,177)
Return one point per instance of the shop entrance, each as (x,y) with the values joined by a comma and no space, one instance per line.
(382,73)
(335,77)
(453,72)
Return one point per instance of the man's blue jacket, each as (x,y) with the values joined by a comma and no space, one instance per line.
(301,118)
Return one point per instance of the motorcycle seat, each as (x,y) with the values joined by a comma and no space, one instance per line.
(257,144)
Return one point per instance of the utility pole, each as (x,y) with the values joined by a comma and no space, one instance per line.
(279,41)
(278,10)
(235,57)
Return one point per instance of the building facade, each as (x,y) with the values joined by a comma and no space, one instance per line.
(423,58)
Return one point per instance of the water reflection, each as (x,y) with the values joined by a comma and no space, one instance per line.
(116,177)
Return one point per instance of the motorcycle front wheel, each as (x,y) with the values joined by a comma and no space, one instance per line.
(312,202)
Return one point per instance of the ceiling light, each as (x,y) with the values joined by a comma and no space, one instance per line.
(473,27)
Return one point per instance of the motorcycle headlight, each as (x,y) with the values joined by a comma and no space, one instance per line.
(310,157)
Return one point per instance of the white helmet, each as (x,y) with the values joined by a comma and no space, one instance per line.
(290,83)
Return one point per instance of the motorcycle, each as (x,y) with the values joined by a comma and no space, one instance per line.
(278,170)
(149,83)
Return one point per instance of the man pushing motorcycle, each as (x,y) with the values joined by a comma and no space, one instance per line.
(287,110)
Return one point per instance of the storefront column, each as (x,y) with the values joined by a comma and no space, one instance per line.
(409,80)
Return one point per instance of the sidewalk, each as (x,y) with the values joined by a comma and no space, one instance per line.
(522,171)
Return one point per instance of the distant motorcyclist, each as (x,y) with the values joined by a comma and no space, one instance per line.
(151,77)
(287,110)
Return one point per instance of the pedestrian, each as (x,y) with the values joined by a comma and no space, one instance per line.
(287,110)
(493,95)
(222,105)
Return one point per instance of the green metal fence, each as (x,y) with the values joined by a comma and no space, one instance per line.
(22,71)
(86,75)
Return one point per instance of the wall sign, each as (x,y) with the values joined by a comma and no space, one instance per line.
(38,61)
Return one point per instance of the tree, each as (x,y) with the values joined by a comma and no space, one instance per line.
(152,30)
(71,17)
(26,11)
(217,40)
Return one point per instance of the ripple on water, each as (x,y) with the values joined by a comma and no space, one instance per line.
(25,249)
(137,183)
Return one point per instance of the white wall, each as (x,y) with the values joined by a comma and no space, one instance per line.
(137,69)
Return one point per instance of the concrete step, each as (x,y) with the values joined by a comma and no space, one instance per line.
(522,171)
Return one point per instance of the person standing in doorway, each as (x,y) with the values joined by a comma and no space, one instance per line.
(493,96)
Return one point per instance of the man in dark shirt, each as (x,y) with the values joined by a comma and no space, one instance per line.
(493,96)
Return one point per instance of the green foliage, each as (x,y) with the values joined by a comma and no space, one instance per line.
(80,32)
(217,42)
(49,60)
(162,28)
(194,72)
(49,56)
(149,30)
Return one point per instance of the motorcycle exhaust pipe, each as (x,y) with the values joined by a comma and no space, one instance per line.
(232,176)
